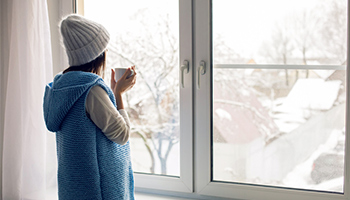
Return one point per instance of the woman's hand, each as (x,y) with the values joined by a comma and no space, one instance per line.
(123,84)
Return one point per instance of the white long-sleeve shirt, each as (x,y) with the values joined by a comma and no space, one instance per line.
(115,124)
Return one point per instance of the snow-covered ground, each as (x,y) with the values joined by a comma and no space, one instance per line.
(299,177)
(141,159)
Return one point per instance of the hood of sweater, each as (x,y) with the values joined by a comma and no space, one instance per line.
(62,93)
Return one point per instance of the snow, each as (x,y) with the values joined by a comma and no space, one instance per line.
(223,114)
(315,94)
(286,127)
(141,158)
(299,177)
(291,117)
(324,74)
(306,97)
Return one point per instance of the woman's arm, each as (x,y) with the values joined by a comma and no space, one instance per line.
(113,123)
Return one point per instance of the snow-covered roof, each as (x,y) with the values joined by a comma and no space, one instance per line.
(324,74)
(306,96)
(315,94)
(239,117)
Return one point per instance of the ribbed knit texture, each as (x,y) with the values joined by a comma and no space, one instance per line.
(83,39)
(90,166)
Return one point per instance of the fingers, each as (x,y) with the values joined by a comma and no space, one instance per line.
(131,81)
(112,75)
(133,68)
(112,79)
(129,73)
(134,75)
(125,83)
(126,74)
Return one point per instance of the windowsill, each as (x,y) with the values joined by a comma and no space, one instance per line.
(51,194)
(143,196)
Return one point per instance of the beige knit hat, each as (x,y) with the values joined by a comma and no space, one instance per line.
(83,39)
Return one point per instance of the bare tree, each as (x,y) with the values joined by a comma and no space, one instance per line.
(153,105)
(223,54)
(305,34)
(281,45)
(333,31)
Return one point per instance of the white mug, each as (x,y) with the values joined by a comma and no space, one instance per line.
(119,71)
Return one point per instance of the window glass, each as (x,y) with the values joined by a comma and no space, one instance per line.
(145,34)
(311,32)
(279,93)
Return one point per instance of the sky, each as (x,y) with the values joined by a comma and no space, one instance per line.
(244,25)
(115,14)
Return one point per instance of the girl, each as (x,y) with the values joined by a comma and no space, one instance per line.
(92,128)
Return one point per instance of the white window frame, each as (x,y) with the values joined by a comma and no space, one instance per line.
(183,183)
(204,184)
(195,118)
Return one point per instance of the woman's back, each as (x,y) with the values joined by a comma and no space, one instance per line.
(90,166)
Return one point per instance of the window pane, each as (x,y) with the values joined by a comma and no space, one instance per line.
(273,123)
(145,34)
(309,32)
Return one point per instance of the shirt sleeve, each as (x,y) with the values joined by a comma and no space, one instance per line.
(113,123)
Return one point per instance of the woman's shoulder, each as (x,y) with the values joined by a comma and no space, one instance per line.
(98,90)
(102,88)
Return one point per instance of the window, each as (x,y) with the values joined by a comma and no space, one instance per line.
(278,105)
(146,34)
(235,99)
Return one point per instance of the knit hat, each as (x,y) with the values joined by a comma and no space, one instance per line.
(83,39)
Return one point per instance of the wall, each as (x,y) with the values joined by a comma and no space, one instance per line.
(1,95)
(53,17)
(57,9)
(4,44)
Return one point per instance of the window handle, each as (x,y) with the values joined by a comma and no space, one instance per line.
(201,71)
(185,67)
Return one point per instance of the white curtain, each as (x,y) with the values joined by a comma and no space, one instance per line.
(28,165)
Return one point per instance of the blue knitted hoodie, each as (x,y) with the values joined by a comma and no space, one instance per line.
(90,166)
